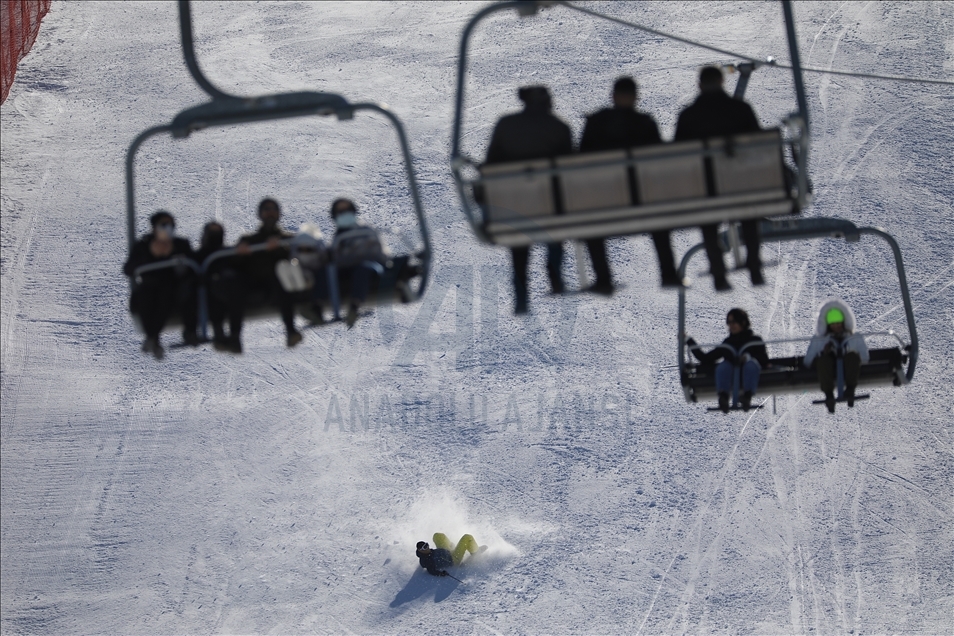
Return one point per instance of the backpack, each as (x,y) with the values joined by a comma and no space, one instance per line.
(353,246)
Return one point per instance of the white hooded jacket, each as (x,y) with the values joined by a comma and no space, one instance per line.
(850,341)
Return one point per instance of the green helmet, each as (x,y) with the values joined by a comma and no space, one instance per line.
(834,315)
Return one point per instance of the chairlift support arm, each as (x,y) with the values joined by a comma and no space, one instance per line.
(188,51)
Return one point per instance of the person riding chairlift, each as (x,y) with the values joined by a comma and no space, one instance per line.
(834,339)
(752,361)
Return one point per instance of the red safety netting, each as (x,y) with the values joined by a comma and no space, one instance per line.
(19,26)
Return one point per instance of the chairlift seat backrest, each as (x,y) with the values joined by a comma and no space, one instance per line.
(526,191)
(596,188)
(676,185)
(670,178)
(750,162)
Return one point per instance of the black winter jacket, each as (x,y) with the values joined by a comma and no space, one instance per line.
(736,341)
(260,266)
(436,560)
(714,114)
(534,133)
(613,128)
(141,255)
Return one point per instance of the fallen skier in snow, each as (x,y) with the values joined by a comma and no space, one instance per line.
(445,554)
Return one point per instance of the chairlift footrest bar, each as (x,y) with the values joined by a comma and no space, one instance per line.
(863,396)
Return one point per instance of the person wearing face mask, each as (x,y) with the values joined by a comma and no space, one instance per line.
(161,292)
(258,268)
(751,361)
(358,254)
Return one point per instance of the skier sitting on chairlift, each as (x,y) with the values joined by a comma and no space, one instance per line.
(621,127)
(159,293)
(834,339)
(715,113)
(258,268)
(752,361)
(224,297)
(357,252)
(533,133)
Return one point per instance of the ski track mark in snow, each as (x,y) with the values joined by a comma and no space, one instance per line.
(216,471)
(14,349)
(699,556)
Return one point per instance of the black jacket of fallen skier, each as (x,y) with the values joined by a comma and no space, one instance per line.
(534,133)
(714,114)
(164,291)
(434,560)
(615,128)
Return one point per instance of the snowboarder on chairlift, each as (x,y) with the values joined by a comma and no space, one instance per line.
(715,113)
(834,338)
(534,133)
(445,554)
(752,361)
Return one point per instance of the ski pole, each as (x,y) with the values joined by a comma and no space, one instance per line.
(453,577)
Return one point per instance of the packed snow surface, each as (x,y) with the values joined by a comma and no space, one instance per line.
(283,491)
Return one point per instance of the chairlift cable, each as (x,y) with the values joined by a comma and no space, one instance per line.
(896,78)
(641,27)
(769,62)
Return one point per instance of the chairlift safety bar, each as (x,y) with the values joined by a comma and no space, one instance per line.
(757,343)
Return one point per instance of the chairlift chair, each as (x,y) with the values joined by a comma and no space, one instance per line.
(889,365)
(638,190)
(225,110)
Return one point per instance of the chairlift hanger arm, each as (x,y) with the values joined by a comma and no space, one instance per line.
(188,51)
(130,183)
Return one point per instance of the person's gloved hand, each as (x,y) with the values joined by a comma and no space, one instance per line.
(443,572)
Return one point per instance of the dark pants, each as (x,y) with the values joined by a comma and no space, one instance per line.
(597,250)
(667,262)
(226,299)
(273,291)
(353,282)
(157,299)
(826,364)
(521,260)
(750,236)
(359,280)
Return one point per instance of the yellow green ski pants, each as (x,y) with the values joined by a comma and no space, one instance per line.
(465,545)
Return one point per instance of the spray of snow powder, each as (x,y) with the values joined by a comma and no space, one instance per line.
(440,510)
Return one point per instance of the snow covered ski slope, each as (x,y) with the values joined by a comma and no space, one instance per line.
(284,491)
